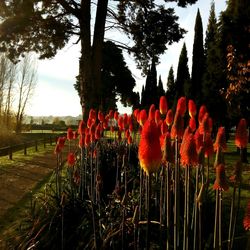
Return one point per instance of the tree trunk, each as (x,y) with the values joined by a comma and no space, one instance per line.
(91,56)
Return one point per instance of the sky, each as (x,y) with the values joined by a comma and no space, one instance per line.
(55,94)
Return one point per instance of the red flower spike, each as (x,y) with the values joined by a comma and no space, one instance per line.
(60,143)
(98,132)
(125,120)
(111,114)
(75,135)
(181,106)
(120,123)
(220,141)
(168,151)
(71,159)
(135,113)
(100,116)
(57,149)
(188,153)
(87,140)
(70,134)
(198,139)
(177,128)
(220,181)
(186,134)
(192,108)
(81,141)
(143,117)
(204,127)
(163,106)
(149,152)
(127,134)
(81,127)
(92,115)
(169,117)
(89,122)
(208,146)
(130,140)
(157,117)
(92,138)
(192,124)
(116,115)
(151,112)
(202,112)
(164,128)
(241,135)
(105,124)
(246,220)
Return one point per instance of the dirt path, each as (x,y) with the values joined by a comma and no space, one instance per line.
(18,180)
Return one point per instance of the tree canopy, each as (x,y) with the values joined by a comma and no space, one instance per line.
(46,26)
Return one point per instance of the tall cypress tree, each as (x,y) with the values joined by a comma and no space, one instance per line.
(161,90)
(198,61)
(183,76)
(214,75)
(151,91)
(171,87)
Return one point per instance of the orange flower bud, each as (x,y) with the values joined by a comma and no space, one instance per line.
(192,108)
(71,159)
(92,115)
(181,106)
(204,127)
(143,117)
(192,124)
(81,127)
(163,106)
(100,116)
(116,115)
(111,114)
(157,117)
(188,153)
(151,112)
(70,134)
(220,181)
(202,112)
(169,117)
(164,128)
(178,126)
(130,140)
(220,141)
(149,151)
(241,135)
(81,141)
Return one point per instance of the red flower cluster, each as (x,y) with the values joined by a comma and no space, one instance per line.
(246,220)
(220,181)
(241,135)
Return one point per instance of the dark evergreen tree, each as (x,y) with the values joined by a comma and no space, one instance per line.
(46,26)
(195,91)
(151,90)
(183,77)
(171,88)
(161,91)
(214,79)
(142,96)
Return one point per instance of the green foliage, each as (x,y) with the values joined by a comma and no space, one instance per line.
(170,92)
(183,77)
(214,78)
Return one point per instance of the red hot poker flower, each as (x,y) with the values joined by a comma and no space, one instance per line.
(192,124)
(143,117)
(241,135)
(204,127)
(188,153)
(220,181)
(181,106)
(81,127)
(149,152)
(202,112)
(177,128)
(163,106)
(70,134)
(157,117)
(71,159)
(151,112)
(192,108)
(100,116)
(220,141)
(246,220)
(169,117)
